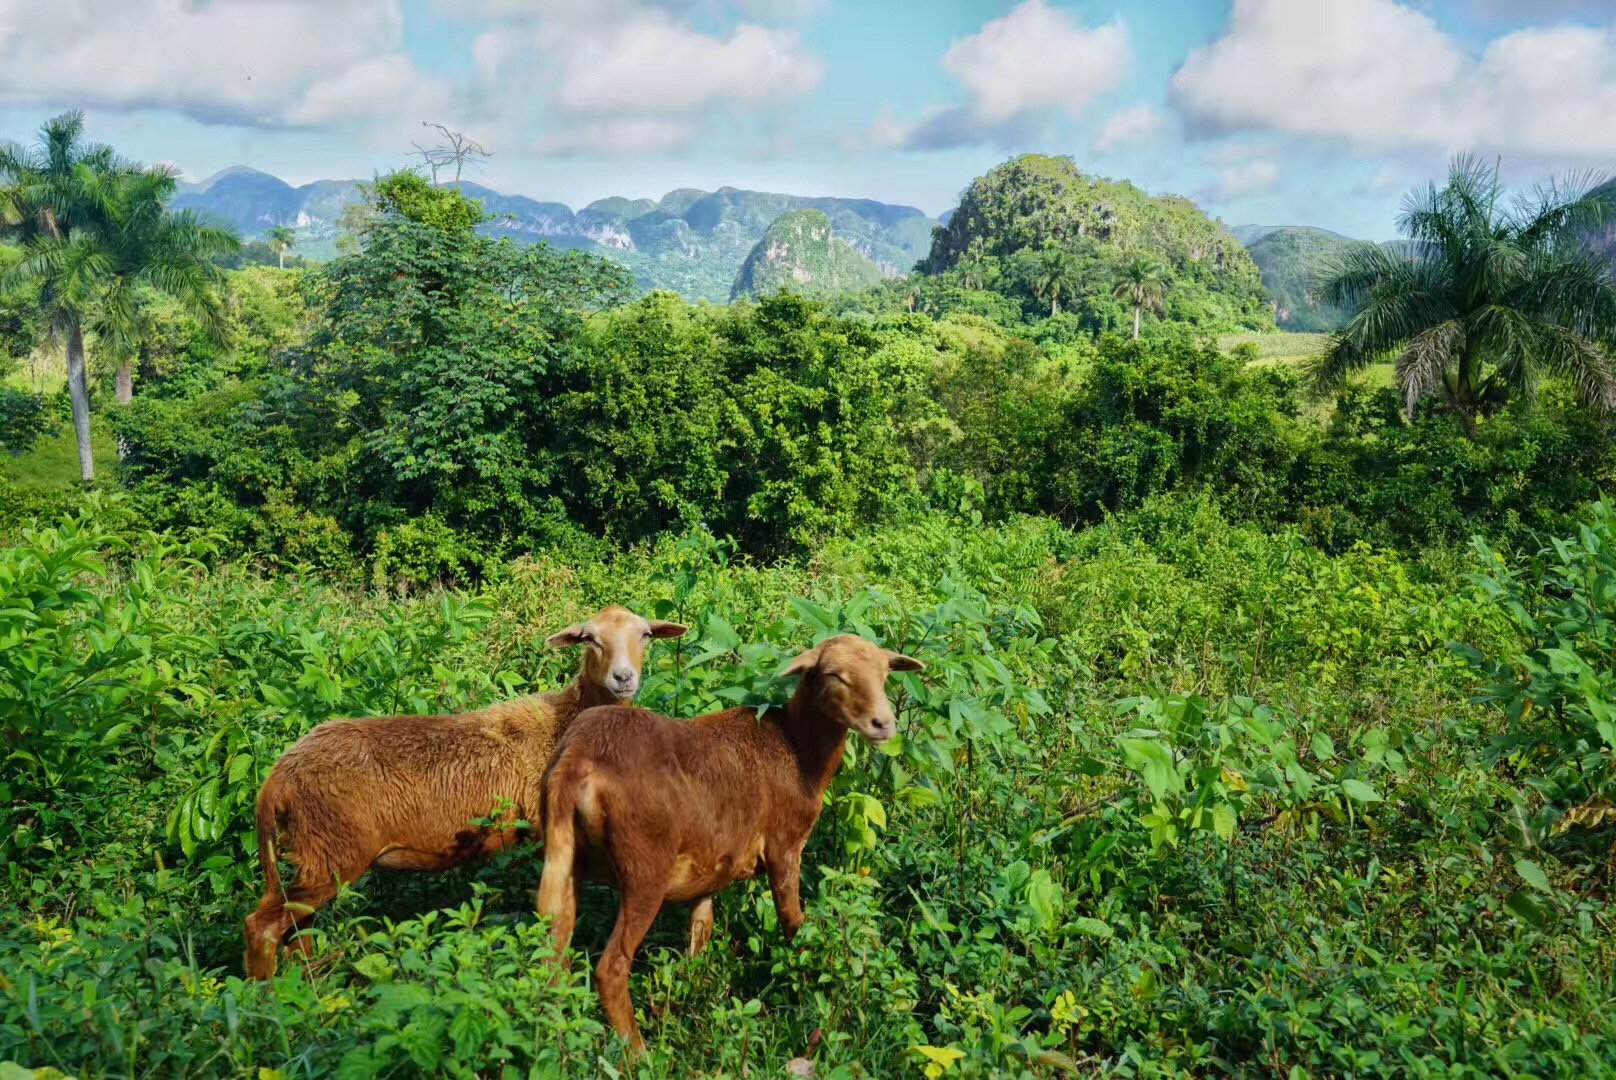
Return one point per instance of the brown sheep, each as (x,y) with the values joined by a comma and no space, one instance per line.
(677,810)
(400,792)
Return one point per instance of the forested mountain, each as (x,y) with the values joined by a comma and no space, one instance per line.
(1040,225)
(690,241)
(1034,200)
(801,252)
(1292,260)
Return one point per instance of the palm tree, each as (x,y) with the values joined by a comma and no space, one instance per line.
(148,247)
(94,230)
(46,207)
(1055,272)
(281,239)
(1143,283)
(976,270)
(1482,299)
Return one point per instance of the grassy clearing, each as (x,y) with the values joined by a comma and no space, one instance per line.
(53,463)
(1277,348)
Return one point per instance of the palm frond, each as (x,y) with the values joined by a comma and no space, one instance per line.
(1585,364)
(1565,212)
(1348,279)
(1510,339)
(1573,290)
(1428,357)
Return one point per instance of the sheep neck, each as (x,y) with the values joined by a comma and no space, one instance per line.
(581,694)
(816,742)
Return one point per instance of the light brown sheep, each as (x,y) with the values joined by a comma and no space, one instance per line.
(400,792)
(677,810)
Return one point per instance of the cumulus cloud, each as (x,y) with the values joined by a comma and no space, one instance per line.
(622,76)
(1016,72)
(1132,124)
(655,64)
(1248,179)
(259,62)
(1378,74)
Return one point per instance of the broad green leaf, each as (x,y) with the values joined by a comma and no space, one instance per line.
(1043,895)
(1533,875)
(1153,761)
(1528,908)
(1358,791)
(1091,927)
(944,1057)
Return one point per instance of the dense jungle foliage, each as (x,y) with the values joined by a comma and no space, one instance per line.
(1262,733)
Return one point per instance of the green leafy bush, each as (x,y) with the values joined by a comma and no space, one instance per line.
(1556,682)
(23,421)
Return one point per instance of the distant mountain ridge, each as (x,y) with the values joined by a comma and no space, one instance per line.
(1251,234)
(691,241)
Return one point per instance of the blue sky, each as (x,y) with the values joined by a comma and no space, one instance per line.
(1266,111)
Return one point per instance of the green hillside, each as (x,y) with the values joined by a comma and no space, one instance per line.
(1035,200)
(1291,261)
(801,252)
(1034,206)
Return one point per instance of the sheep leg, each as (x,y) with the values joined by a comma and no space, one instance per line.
(785,879)
(558,900)
(701,925)
(300,940)
(265,928)
(635,914)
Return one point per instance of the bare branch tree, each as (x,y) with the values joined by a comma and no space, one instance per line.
(455,148)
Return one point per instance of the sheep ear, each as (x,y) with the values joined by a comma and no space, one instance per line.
(572,635)
(900,662)
(666,629)
(802,665)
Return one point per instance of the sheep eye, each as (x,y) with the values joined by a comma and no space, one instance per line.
(839,677)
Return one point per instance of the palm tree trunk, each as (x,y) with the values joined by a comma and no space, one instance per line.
(1466,398)
(1054,305)
(126,384)
(78,390)
(1136,322)
(282,254)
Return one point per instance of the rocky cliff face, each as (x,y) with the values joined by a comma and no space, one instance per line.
(801,252)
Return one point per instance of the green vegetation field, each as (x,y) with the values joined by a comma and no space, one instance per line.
(1272,348)
(1256,738)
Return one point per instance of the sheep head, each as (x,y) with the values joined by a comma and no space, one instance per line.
(615,641)
(844,679)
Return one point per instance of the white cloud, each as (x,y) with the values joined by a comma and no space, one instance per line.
(623,77)
(1017,71)
(379,88)
(1378,74)
(653,63)
(1133,124)
(618,136)
(1552,91)
(1036,58)
(266,62)
(1248,179)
